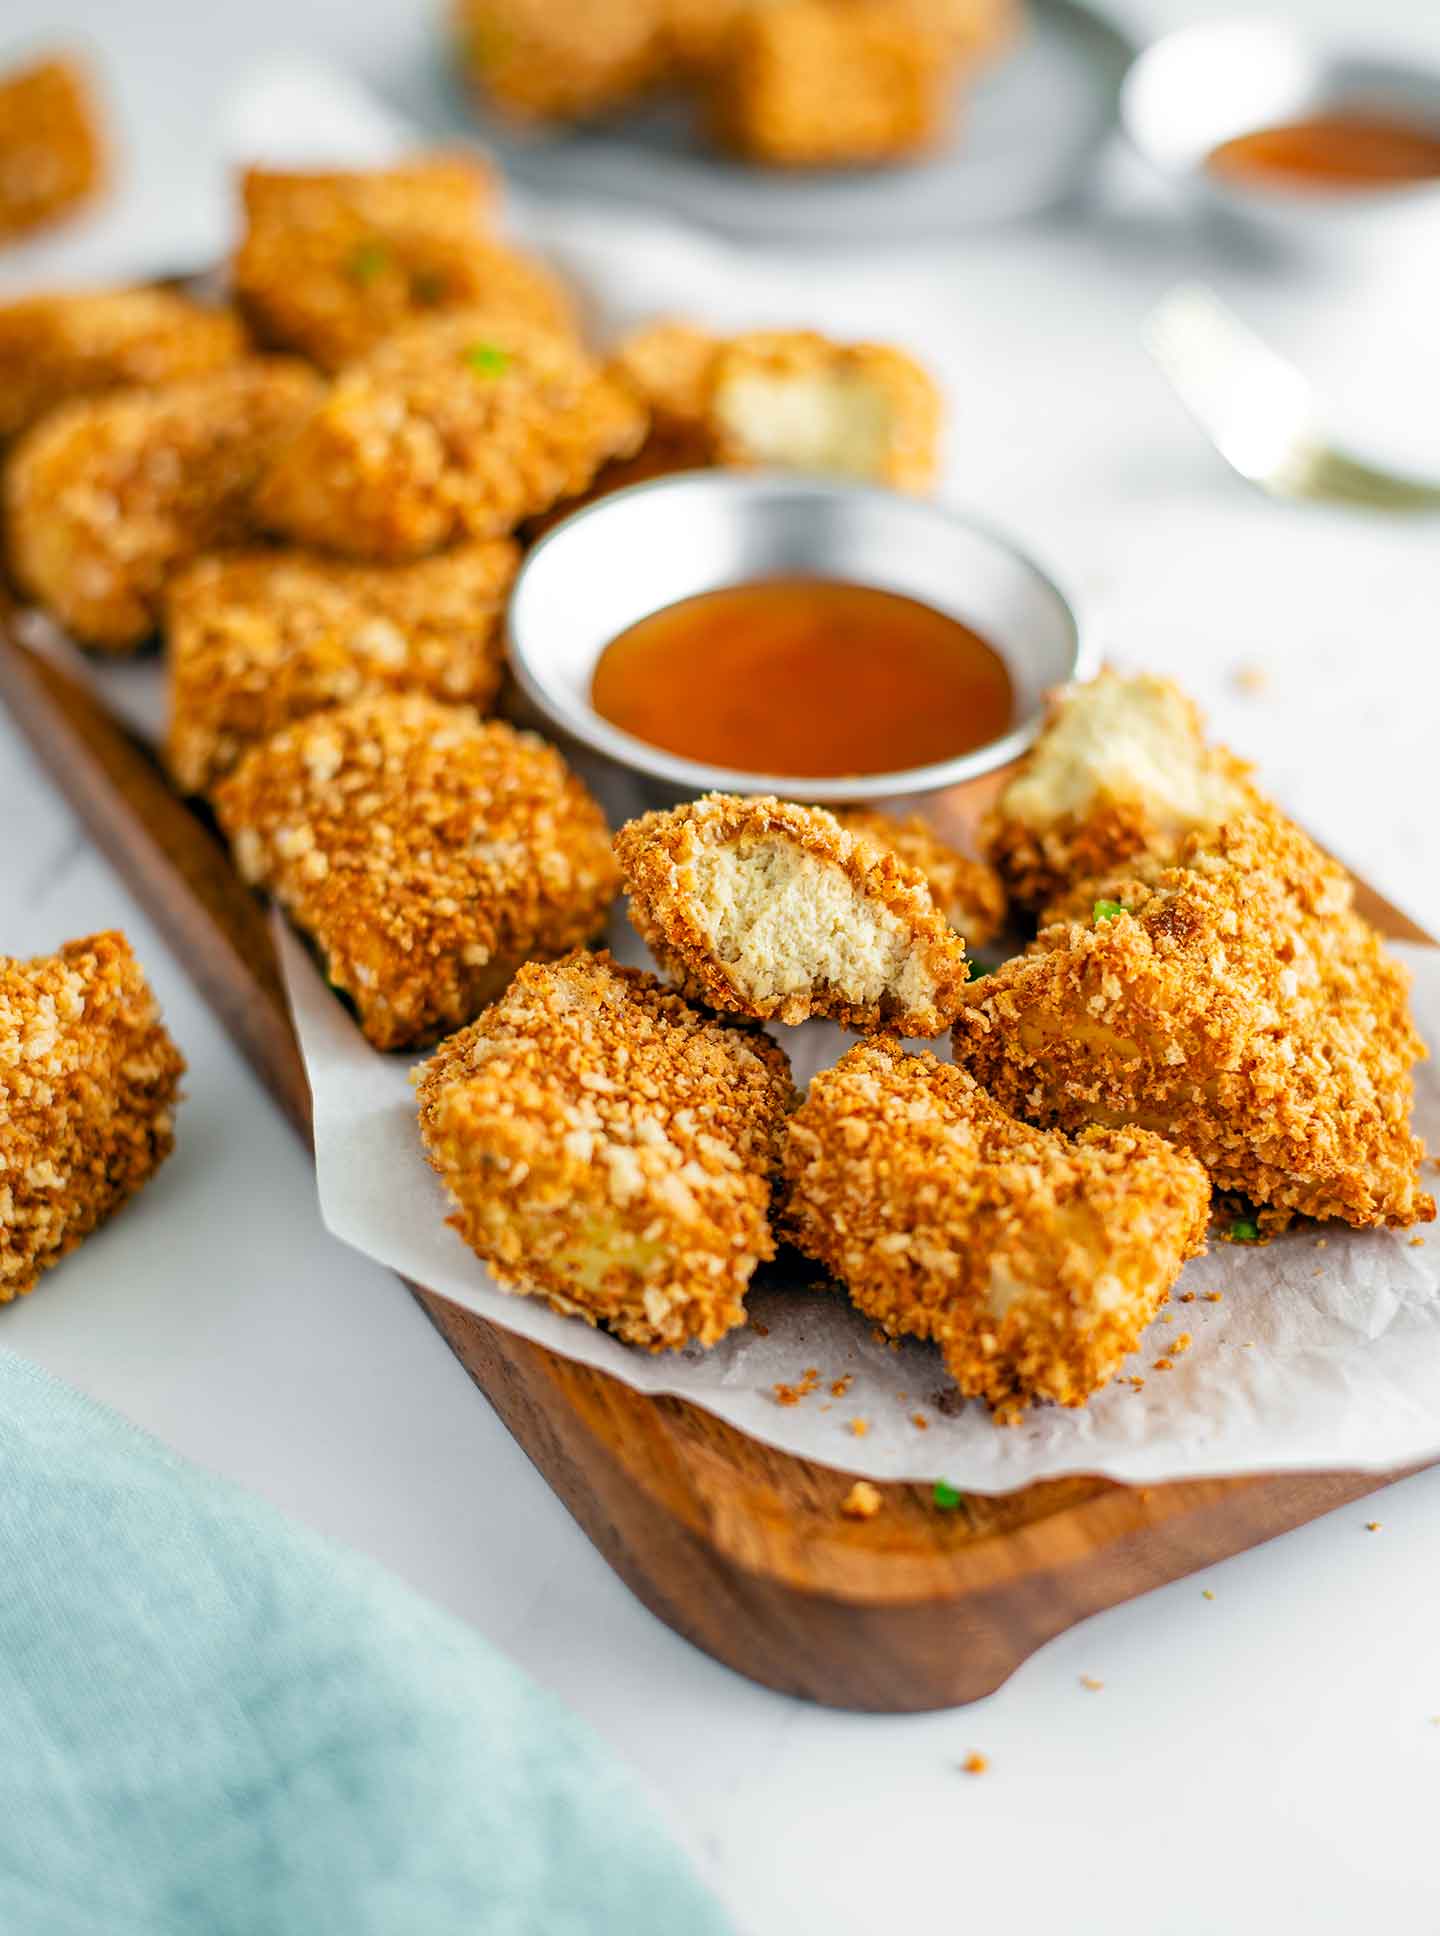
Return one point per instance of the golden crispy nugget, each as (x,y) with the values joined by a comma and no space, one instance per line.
(967,892)
(774,911)
(611,1149)
(1236,1003)
(258,639)
(461,427)
(532,60)
(83,342)
(1122,768)
(1035,1263)
(332,263)
(52,152)
(425,852)
(108,497)
(88,1080)
(832,83)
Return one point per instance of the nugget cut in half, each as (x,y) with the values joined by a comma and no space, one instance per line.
(258,639)
(611,1149)
(1236,1003)
(1035,1263)
(460,427)
(331,263)
(425,852)
(1122,768)
(967,892)
(775,911)
(53,348)
(88,1080)
(108,497)
(52,155)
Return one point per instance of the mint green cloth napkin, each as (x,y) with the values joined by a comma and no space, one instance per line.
(213,1723)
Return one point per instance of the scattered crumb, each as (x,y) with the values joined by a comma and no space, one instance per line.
(1137,1384)
(1373,1525)
(1322,1243)
(760,1330)
(1417,1243)
(1182,1343)
(1214,1297)
(1250,678)
(842,1385)
(1162,1364)
(975,1764)
(1187,1297)
(920,1422)
(1089,1681)
(859,1427)
(792,1394)
(862,1501)
(1206,1594)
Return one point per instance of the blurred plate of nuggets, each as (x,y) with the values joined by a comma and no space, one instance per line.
(89,1079)
(107,497)
(258,639)
(52,151)
(425,853)
(611,1149)
(777,912)
(1034,1262)
(839,120)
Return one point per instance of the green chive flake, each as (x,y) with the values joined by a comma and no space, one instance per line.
(369,260)
(1244,1230)
(945,1495)
(1107,910)
(486,360)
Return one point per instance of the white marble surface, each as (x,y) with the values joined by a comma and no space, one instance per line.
(1266,1759)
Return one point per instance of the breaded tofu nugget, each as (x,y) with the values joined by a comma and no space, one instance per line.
(967,892)
(532,60)
(88,1080)
(1033,1262)
(611,1149)
(1122,768)
(788,399)
(777,912)
(461,427)
(425,852)
(832,83)
(83,342)
(1236,1003)
(108,497)
(258,639)
(332,263)
(52,154)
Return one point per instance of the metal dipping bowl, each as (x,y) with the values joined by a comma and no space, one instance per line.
(1193,89)
(639,550)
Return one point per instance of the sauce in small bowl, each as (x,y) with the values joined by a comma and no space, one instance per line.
(1346,152)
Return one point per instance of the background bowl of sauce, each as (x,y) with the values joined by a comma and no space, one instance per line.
(1307,140)
(771,633)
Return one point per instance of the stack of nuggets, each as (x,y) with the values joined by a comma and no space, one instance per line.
(88,1080)
(425,852)
(612,1148)
(257,640)
(52,157)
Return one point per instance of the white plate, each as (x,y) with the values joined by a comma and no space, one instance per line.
(1023,141)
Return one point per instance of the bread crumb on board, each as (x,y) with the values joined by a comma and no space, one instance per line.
(975,1764)
(862,1501)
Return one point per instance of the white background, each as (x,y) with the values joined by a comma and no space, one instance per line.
(1266,1760)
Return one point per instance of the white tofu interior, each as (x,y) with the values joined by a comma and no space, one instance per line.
(826,421)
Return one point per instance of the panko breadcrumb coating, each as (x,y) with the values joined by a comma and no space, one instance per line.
(777,912)
(332,263)
(88,1080)
(52,154)
(108,497)
(967,892)
(1033,1262)
(1236,1003)
(86,341)
(258,639)
(611,1149)
(790,399)
(532,60)
(461,427)
(425,852)
(1122,768)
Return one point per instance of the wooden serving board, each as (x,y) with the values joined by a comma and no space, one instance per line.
(741,1549)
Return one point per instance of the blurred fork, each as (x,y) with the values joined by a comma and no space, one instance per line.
(1260,413)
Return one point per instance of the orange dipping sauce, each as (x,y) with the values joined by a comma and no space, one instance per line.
(1330,152)
(804,676)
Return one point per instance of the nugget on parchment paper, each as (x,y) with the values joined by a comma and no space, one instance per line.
(88,1080)
(1236,1003)
(427,853)
(258,639)
(81,342)
(1033,1262)
(775,911)
(611,1149)
(1121,768)
(107,497)
(459,427)
(52,151)
(967,892)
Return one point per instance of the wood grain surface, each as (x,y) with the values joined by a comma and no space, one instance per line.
(740,1548)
